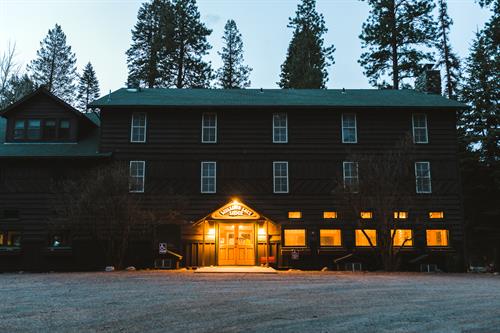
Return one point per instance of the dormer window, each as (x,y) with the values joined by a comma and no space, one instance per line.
(42,129)
(50,129)
(19,130)
(34,129)
(64,129)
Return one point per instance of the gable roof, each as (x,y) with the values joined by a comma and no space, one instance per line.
(366,98)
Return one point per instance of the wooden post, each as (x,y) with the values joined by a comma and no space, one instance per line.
(267,243)
(203,245)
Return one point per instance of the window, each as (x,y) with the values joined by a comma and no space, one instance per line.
(19,130)
(351,180)
(280,128)
(49,129)
(10,238)
(329,215)
(402,237)
(423,177)
(137,171)
(280,177)
(138,127)
(436,215)
(208,177)
(209,128)
(363,240)
(34,129)
(294,215)
(295,237)
(330,237)
(59,239)
(400,215)
(437,237)
(420,128)
(64,129)
(366,215)
(349,132)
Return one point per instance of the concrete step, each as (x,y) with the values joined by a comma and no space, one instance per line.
(237,269)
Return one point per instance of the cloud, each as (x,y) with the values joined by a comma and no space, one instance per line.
(210,19)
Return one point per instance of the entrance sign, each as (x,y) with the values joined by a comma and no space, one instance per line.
(235,210)
(162,248)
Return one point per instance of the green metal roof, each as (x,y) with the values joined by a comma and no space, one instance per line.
(274,97)
(87,147)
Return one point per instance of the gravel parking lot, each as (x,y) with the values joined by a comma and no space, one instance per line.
(153,301)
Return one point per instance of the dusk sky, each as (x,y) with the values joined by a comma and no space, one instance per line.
(99,31)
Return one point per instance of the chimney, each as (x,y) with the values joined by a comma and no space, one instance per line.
(429,81)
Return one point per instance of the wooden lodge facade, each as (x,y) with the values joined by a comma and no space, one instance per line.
(256,170)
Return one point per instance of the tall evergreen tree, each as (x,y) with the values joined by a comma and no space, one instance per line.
(233,73)
(88,87)
(448,59)
(307,58)
(395,36)
(54,66)
(16,88)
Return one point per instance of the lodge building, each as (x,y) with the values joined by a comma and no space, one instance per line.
(256,170)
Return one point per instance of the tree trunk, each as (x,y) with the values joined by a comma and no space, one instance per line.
(394,46)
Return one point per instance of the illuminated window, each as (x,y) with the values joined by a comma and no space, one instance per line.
(400,215)
(280,177)
(280,128)
(13,238)
(423,177)
(437,237)
(209,127)
(294,215)
(330,237)
(362,240)
(137,171)
(351,179)
(419,122)
(366,215)
(436,215)
(208,177)
(329,215)
(138,127)
(402,237)
(349,133)
(295,237)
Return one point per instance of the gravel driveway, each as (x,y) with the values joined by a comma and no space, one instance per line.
(152,301)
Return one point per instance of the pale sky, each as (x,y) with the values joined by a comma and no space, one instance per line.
(99,31)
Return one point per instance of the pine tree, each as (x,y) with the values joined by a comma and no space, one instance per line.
(395,35)
(448,59)
(233,73)
(307,59)
(16,88)
(88,87)
(54,66)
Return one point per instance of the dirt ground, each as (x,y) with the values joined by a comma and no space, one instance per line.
(152,301)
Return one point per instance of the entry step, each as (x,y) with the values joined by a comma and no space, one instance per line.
(237,269)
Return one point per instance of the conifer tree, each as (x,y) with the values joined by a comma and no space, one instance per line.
(307,58)
(16,88)
(395,36)
(88,87)
(54,66)
(233,73)
(448,59)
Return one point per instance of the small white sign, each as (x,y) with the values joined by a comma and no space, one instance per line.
(162,248)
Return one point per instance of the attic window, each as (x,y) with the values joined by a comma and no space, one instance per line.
(64,129)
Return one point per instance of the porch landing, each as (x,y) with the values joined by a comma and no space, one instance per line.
(237,269)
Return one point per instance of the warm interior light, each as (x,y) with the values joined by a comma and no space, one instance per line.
(402,237)
(438,237)
(400,215)
(235,201)
(211,233)
(329,215)
(362,240)
(436,215)
(262,234)
(366,215)
(294,215)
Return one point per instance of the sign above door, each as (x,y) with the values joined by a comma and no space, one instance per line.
(235,211)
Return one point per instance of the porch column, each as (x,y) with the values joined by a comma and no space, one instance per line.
(267,243)
(203,245)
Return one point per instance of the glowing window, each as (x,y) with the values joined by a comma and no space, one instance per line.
(436,215)
(437,237)
(366,215)
(329,215)
(400,215)
(402,237)
(294,215)
(362,239)
(330,237)
(295,237)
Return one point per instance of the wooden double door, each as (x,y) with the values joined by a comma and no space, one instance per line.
(236,244)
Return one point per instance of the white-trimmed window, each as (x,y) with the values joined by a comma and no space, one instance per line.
(419,121)
(138,127)
(349,131)
(280,177)
(351,177)
(137,172)
(208,177)
(280,127)
(423,177)
(209,127)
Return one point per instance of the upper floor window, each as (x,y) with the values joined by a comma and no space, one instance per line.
(420,134)
(295,237)
(208,177)
(330,237)
(438,237)
(280,177)
(46,129)
(10,238)
(423,177)
(209,127)
(349,131)
(138,127)
(137,172)
(280,128)
(64,129)
(19,129)
(34,131)
(402,237)
(50,129)
(351,178)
